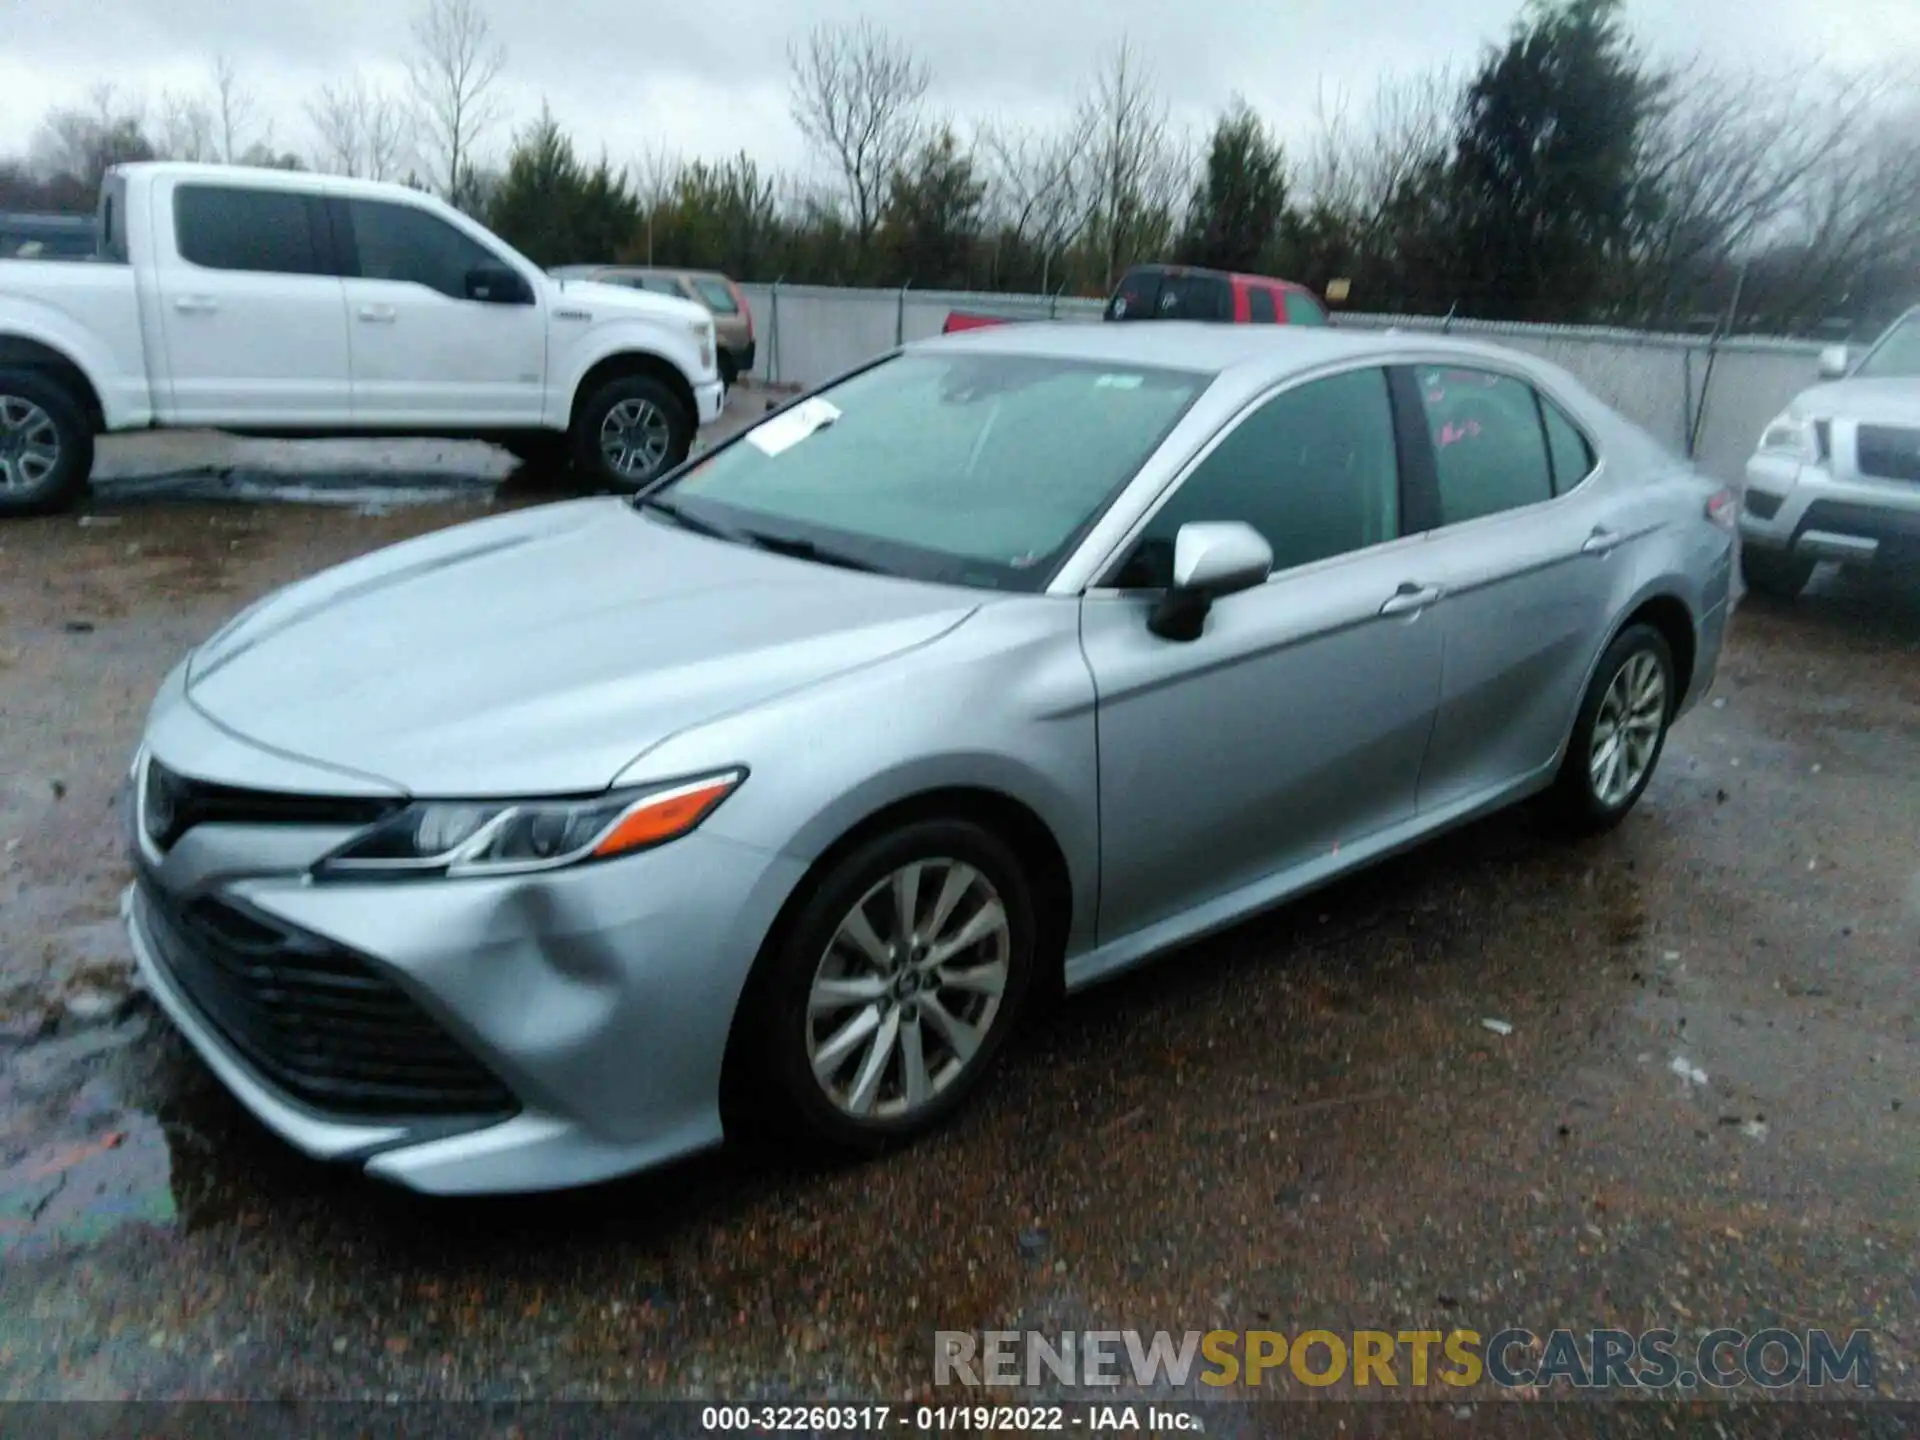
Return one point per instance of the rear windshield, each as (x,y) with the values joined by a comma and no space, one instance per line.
(718,296)
(1160,295)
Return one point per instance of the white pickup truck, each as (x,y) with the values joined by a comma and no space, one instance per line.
(267,302)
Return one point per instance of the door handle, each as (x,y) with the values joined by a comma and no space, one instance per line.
(378,314)
(1601,541)
(1410,598)
(195,304)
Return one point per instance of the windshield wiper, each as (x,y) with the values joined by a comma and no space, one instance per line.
(808,550)
(688,521)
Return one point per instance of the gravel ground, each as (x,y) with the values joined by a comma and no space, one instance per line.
(1703,1115)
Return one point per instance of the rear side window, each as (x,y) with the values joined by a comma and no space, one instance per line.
(1160,295)
(223,227)
(1303,309)
(718,296)
(1260,309)
(1572,456)
(1489,447)
(400,242)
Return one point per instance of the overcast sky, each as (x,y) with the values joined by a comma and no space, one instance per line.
(708,77)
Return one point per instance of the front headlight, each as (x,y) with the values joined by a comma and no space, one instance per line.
(480,837)
(1794,437)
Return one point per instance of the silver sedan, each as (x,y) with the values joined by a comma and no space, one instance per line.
(557,845)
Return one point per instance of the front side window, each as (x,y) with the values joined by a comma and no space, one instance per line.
(401,242)
(225,227)
(1489,448)
(1896,356)
(976,469)
(1315,470)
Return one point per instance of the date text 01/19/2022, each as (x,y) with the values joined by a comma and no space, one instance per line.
(943,1419)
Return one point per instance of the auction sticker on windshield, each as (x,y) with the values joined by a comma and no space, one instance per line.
(790,427)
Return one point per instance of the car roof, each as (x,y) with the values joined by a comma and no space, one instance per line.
(306,182)
(1197,345)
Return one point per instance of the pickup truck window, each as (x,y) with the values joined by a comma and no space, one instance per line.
(399,242)
(225,227)
(1260,309)
(1303,309)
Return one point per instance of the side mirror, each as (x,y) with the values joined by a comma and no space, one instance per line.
(498,285)
(1833,362)
(1210,560)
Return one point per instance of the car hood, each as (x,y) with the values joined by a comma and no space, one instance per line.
(625,300)
(1872,402)
(542,652)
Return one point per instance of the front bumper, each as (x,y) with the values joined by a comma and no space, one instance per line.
(710,399)
(601,997)
(1807,512)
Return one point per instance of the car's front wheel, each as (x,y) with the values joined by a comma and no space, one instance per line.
(629,432)
(892,990)
(1777,575)
(1618,735)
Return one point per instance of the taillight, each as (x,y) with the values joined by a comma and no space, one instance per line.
(1723,508)
(745,309)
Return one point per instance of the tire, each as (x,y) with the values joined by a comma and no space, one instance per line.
(658,417)
(1581,802)
(781,1100)
(46,444)
(1774,574)
(729,370)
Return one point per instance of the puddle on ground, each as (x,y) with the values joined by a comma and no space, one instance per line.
(77,1161)
(347,491)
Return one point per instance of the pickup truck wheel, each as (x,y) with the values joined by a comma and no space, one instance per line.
(46,445)
(1777,576)
(629,432)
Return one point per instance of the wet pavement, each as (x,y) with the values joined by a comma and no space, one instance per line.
(1704,1112)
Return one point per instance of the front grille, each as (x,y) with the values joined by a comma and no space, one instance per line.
(1889,452)
(313,1018)
(172,804)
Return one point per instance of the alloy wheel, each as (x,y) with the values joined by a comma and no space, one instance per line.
(1626,732)
(908,989)
(29,444)
(635,438)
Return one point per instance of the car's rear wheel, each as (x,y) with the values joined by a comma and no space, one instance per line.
(1772,573)
(46,445)
(729,370)
(892,990)
(629,432)
(1618,735)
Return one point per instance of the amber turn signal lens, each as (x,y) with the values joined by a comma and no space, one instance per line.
(665,816)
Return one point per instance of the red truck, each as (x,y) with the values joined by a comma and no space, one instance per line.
(1187,292)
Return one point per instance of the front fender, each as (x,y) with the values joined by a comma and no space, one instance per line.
(604,341)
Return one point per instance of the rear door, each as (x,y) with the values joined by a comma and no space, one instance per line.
(1296,722)
(1530,560)
(427,350)
(252,316)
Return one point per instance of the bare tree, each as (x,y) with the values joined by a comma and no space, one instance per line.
(1357,162)
(234,112)
(655,178)
(185,129)
(1035,179)
(452,74)
(1133,171)
(84,142)
(857,93)
(360,129)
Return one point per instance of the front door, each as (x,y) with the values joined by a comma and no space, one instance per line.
(252,318)
(425,352)
(1296,723)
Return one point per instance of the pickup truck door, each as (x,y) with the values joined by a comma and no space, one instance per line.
(252,321)
(432,341)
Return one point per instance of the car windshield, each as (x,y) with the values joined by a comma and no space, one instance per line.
(963,468)
(1897,356)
